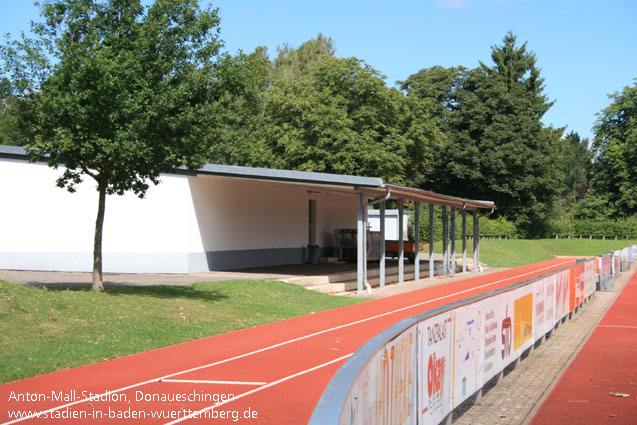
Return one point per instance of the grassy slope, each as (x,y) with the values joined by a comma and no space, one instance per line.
(43,330)
(518,252)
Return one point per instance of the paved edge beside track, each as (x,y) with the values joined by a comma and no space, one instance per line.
(516,398)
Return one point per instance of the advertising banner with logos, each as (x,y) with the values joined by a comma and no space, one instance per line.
(544,306)
(493,337)
(435,358)
(561,294)
(385,393)
(589,272)
(467,351)
(523,318)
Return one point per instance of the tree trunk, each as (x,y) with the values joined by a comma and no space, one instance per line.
(98,284)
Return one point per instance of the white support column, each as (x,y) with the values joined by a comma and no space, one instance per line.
(401,247)
(432,264)
(382,245)
(475,240)
(478,234)
(452,257)
(365,247)
(360,245)
(417,240)
(445,242)
(464,240)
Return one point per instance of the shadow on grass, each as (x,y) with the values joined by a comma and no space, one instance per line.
(165,292)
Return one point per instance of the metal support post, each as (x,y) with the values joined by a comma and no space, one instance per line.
(401,247)
(382,245)
(360,245)
(452,257)
(417,240)
(464,239)
(431,241)
(476,241)
(445,242)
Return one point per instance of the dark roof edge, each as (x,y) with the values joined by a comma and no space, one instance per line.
(19,152)
(13,152)
(289,175)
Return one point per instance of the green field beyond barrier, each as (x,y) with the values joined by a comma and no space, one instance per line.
(518,252)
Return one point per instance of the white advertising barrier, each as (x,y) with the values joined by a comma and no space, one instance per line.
(493,340)
(561,294)
(384,393)
(435,356)
(589,273)
(522,319)
(544,307)
(549,304)
(420,369)
(625,254)
(617,262)
(605,271)
(467,351)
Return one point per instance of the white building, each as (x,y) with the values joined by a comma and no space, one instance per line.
(217,218)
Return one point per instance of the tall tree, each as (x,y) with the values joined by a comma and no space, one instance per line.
(437,85)
(615,144)
(115,91)
(291,63)
(576,162)
(9,130)
(497,147)
(236,112)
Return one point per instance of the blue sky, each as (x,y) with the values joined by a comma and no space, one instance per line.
(585,48)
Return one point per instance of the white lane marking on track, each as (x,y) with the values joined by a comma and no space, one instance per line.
(280,344)
(197,381)
(247,393)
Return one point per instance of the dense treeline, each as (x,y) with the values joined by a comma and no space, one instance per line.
(474,133)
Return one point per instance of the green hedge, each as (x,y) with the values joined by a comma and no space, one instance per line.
(626,226)
(488,226)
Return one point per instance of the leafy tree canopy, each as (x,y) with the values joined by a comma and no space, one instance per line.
(340,117)
(236,113)
(115,91)
(615,144)
(291,63)
(576,164)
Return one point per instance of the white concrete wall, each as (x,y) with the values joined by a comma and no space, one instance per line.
(236,214)
(175,229)
(339,212)
(44,227)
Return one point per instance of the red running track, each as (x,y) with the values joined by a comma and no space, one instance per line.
(270,374)
(606,364)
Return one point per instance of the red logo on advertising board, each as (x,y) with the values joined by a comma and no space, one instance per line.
(435,380)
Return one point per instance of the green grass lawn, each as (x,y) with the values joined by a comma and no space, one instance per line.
(43,330)
(518,252)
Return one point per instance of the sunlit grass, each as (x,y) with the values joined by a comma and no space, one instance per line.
(43,330)
(518,252)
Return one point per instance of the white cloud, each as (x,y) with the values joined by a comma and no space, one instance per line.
(451,4)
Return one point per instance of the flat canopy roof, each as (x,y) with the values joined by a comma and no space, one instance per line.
(370,186)
(289,175)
